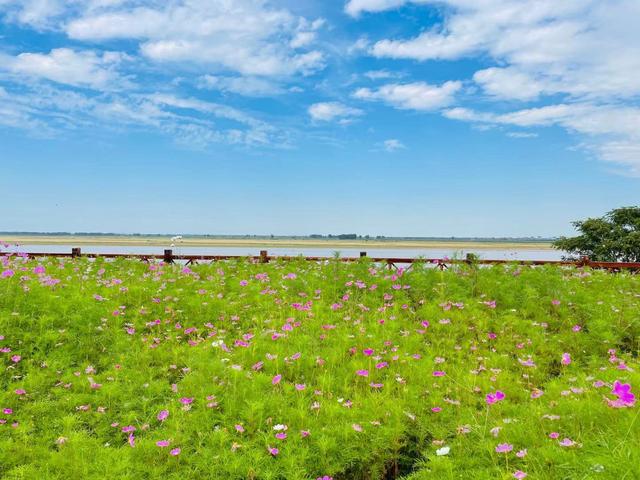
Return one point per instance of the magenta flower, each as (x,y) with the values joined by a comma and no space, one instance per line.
(175,452)
(7,411)
(504,448)
(438,373)
(128,429)
(276,380)
(300,386)
(131,439)
(519,474)
(521,453)
(567,442)
(186,401)
(554,435)
(566,359)
(362,373)
(281,435)
(273,451)
(162,443)
(163,415)
(16,358)
(623,392)
(239,428)
(7,274)
(495,397)
(368,351)
(20,391)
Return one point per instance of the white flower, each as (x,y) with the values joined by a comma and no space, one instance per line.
(443,451)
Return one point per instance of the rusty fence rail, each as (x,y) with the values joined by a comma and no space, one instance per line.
(169,257)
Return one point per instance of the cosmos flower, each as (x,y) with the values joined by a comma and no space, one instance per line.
(504,448)
(163,415)
(623,392)
(566,359)
(492,398)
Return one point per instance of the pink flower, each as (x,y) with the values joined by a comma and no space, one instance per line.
(273,451)
(504,448)
(436,409)
(128,429)
(566,359)
(554,435)
(555,302)
(623,392)
(519,474)
(16,358)
(362,373)
(163,415)
(281,435)
(186,401)
(576,328)
(356,427)
(567,442)
(276,380)
(20,391)
(162,443)
(131,439)
(368,351)
(495,397)
(521,453)
(381,365)
(175,452)
(239,428)
(243,283)
(438,373)
(7,274)
(7,411)
(536,393)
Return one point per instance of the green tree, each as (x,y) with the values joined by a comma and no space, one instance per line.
(614,237)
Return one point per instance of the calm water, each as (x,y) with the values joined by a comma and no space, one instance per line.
(494,254)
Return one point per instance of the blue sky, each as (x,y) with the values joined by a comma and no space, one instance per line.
(381,117)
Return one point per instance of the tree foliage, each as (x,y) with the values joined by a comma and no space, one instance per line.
(615,237)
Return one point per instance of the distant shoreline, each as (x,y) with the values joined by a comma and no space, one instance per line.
(159,241)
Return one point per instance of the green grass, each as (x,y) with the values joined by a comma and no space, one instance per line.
(105,345)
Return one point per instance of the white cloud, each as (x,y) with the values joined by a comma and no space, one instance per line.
(392,144)
(583,48)
(611,130)
(48,110)
(581,55)
(249,86)
(381,74)
(244,36)
(70,67)
(522,134)
(329,111)
(35,13)
(413,96)
(356,7)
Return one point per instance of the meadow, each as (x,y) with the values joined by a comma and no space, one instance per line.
(304,370)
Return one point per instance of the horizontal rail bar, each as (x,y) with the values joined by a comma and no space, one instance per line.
(264,257)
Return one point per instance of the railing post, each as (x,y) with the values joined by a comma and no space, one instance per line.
(76,252)
(584,261)
(363,254)
(168,256)
(264,257)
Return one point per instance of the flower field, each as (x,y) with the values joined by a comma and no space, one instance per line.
(303,370)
